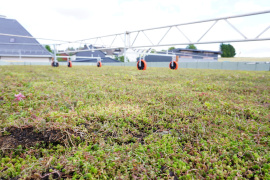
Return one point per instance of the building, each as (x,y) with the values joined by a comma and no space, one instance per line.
(15,48)
(196,54)
(131,55)
(64,56)
(91,56)
(185,55)
(118,52)
(112,52)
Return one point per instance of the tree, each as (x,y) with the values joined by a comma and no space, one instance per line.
(191,46)
(171,48)
(153,51)
(81,48)
(121,58)
(70,49)
(48,48)
(227,50)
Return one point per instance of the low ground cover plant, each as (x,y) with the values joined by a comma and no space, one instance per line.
(121,123)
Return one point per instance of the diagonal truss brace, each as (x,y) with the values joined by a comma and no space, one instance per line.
(208,30)
(136,37)
(235,29)
(164,35)
(183,33)
(148,38)
(263,32)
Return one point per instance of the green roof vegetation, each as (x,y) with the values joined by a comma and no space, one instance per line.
(86,122)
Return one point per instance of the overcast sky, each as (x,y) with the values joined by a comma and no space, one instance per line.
(73,20)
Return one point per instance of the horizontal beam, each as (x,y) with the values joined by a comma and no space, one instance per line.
(175,44)
(79,57)
(97,49)
(88,57)
(99,37)
(30,37)
(27,44)
(155,54)
(207,42)
(14,55)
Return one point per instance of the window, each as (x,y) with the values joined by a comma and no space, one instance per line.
(12,40)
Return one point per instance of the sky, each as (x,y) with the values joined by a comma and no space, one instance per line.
(81,19)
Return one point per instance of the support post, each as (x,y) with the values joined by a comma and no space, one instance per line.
(20,52)
(54,52)
(126,45)
(125,57)
(140,58)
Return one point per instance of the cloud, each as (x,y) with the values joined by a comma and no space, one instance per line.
(75,13)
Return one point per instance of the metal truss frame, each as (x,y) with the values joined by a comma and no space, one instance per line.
(127,44)
(127,40)
(177,26)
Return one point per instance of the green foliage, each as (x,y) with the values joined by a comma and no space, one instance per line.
(127,124)
(48,48)
(153,51)
(171,48)
(191,46)
(227,50)
(121,58)
(70,49)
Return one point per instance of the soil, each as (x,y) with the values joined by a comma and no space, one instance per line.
(28,137)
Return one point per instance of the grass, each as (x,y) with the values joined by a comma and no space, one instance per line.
(121,123)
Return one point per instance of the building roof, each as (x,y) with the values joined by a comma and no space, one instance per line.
(177,50)
(119,51)
(193,55)
(156,58)
(96,53)
(16,46)
(104,60)
(111,52)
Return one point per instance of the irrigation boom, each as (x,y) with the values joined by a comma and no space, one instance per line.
(127,42)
